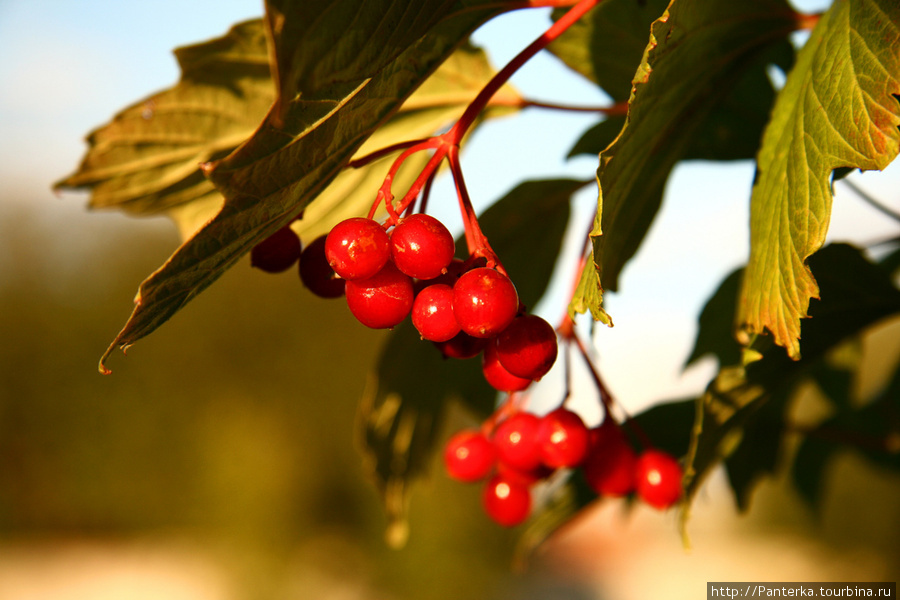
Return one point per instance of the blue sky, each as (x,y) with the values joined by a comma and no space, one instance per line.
(67,66)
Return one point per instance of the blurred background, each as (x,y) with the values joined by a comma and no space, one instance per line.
(219,460)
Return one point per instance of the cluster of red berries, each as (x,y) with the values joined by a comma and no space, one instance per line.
(465,308)
(524,449)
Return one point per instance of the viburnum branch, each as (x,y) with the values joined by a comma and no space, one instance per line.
(458,131)
(478,245)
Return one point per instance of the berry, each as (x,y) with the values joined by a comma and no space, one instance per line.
(609,465)
(421,246)
(276,253)
(315,272)
(462,346)
(381,301)
(516,442)
(658,478)
(357,248)
(563,438)
(506,502)
(526,478)
(469,456)
(432,313)
(496,375)
(527,347)
(485,302)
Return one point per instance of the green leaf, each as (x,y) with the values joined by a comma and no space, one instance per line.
(873,430)
(714,334)
(837,109)
(730,132)
(739,414)
(698,52)
(294,154)
(146,160)
(402,410)
(606,45)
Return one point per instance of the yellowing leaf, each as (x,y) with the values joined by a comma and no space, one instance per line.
(837,109)
(146,160)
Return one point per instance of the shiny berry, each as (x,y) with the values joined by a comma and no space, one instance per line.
(432,313)
(462,346)
(485,302)
(496,375)
(357,248)
(506,502)
(381,301)
(421,246)
(563,438)
(469,456)
(516,442)
(276,253)
(658,478)
(315,272)
(527,347)
(609,465)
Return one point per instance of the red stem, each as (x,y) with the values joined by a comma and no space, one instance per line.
(455,135)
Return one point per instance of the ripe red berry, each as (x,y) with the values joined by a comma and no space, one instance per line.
(609,465)
(563,438)
(469,456)
(315,272)
(658,478)
(516,442)
(381,301)
(506,502)
(527,347)
(421,246)
(485,302)
(357,248)
(496,375)
(277,252)
(462,346)
(432,313)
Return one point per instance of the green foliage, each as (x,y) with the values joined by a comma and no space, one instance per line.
(276,121)
(838,109)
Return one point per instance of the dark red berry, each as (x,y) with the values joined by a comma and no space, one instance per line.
(276,253)
(506,502)
(609,466)
(469,456)
(564,439)
(381,301)
(462,346)
(421,246)
(658,478)
(527,347)
(496,375)
(485,302)
(357,248)
(526,478)
(516,442)
(315,272)
(432,313)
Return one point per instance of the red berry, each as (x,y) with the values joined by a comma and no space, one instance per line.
(462,346)
(381,301)
(315,272)
(527,347)
(658,478)
(609,465)
(469,456)
(485,302)
(496,375)
(357,248)
(432,313)
(421,246)
(516,442)
(564,439)
(506,502)
(526,478)
(277,252)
